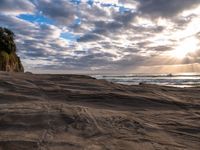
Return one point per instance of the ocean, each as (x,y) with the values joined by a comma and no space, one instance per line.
(176,80)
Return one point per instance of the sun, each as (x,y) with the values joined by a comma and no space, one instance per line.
(186,46)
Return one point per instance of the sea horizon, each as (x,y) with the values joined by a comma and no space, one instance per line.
(175,80)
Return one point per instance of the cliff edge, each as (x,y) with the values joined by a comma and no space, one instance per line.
(9,61)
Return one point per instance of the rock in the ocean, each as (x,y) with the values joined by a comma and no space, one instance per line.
(9,61)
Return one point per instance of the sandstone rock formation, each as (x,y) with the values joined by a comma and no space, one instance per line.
(9,61)
(74,112)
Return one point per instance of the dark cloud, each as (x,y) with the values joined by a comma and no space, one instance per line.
(105,27)
(125,18)
(33,52)
(86,62)
(160,48)
(165,8)
(102,27)
(16,6)
(89,37)
(62,11)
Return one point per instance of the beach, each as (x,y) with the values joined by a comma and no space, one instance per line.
(60,112)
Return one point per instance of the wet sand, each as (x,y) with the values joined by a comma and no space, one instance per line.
(75,112)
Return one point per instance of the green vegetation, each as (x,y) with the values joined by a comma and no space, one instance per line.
(7,40)
(9,61)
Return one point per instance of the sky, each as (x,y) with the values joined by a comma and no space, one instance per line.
(105,36)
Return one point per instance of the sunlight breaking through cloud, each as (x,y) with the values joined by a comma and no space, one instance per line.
(103,35)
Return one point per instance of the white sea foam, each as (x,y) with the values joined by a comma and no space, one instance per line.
(178,80)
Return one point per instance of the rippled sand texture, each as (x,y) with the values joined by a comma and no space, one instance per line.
(61,112)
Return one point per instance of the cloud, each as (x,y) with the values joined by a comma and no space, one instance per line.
(16,7)
(105,27)
(100,35)
(63,12)
(89,37)
(165,8)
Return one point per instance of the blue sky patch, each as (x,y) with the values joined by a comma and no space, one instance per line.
(69,36)
(36,18)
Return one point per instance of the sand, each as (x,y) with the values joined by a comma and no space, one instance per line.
(75,112)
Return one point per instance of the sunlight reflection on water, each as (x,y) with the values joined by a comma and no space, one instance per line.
(177,80)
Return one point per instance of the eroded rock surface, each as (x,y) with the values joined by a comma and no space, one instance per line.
(60,112)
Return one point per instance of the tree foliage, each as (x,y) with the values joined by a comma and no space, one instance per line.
(7,43)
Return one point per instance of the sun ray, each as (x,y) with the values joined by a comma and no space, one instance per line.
(186,46)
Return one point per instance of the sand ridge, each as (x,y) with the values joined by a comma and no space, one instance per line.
(59,112)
